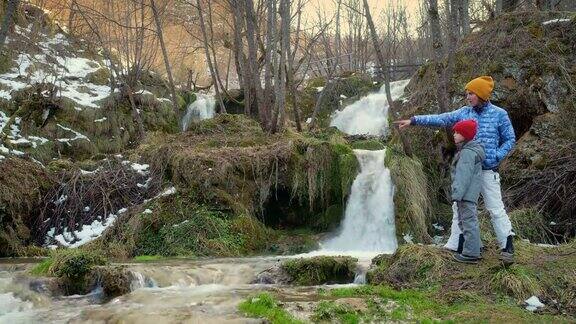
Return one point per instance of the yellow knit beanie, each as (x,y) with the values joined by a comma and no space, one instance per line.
(481,86)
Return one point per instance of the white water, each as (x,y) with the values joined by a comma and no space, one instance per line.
(204,107)
(368,228)
(369,115)
(368,224)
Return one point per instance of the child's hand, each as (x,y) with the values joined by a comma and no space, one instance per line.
(403,123)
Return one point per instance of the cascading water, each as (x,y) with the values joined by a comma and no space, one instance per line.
(369,115)
(368,226)
(202,108)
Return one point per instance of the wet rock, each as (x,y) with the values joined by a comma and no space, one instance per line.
(115,280)
(320,270)
(552,91)
(273,275)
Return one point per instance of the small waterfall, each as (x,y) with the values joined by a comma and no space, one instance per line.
(369,115)
(204,107)
(368,224)
(141,281)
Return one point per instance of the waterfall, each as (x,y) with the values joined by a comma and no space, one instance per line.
(202,108)
(369,115)
(368,224)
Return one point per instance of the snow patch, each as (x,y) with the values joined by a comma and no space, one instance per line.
(533,303)
(408,238)
(77,136)
(555,21)
(87,233)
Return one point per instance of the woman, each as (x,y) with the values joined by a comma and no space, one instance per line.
(496,135)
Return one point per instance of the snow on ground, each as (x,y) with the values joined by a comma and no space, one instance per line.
(16,139)
(64,69)
(533,303)
(555,21)
(77,136)
(87,233)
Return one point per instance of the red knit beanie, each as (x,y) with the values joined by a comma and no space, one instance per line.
(466,128)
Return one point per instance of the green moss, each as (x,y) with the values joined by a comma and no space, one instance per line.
(328,311)
(181,226)
(6,62)
(369,144)
(265,306)
(425,306)
(74,263)
(321,270)
(412,265)
(329,218)
(42,268)
(73,267)
(99,77)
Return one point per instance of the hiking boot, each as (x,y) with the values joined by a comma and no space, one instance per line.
(465,258)
(507,253)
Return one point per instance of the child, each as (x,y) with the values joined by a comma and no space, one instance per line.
(466,185)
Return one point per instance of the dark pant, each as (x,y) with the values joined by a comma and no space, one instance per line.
(468,223)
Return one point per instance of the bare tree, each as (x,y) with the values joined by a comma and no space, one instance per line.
(381,59)
(10,11)
(209,61)
(436,34)
(165,56)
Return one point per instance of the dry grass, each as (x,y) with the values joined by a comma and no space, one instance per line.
(411,199)
(551,190)
(413,265)
(22,185)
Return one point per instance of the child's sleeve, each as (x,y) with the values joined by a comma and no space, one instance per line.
(463,174)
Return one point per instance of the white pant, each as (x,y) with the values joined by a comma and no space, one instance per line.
(492,195)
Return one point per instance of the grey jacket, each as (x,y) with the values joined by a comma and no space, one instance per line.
(467,172)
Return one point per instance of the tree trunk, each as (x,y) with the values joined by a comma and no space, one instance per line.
(291,85)
(165,56)
(256,86)
(239,57)
(11,9)
(208,57)
(464,14)
(270,55)
(284,49)
(381,60)
(438,50)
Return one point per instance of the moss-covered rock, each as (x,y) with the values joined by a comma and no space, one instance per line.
(99,77)
(412,265)
(74,268)
(115,280)
(320,270)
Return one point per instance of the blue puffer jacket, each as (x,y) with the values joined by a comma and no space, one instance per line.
(495,130)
